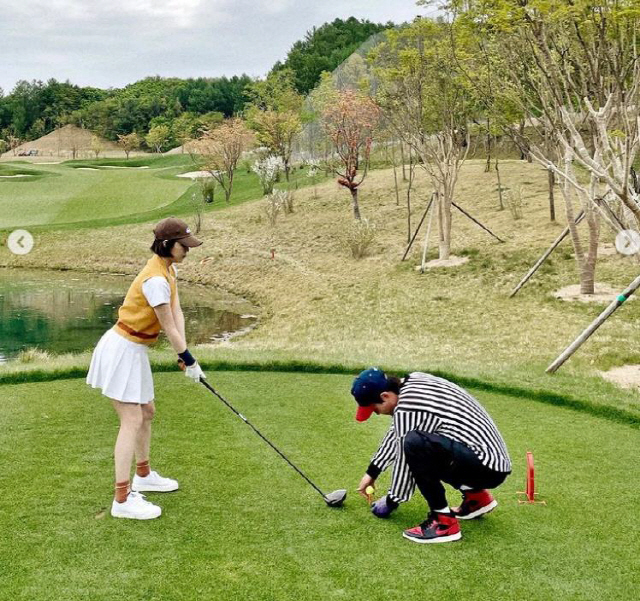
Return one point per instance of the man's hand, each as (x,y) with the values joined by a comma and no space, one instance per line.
(367,480)
(384,507)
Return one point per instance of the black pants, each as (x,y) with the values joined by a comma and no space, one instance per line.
(434,459)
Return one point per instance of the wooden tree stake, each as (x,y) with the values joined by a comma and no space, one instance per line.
(545,256)
(577,343)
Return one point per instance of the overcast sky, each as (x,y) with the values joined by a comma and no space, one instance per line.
(111,43)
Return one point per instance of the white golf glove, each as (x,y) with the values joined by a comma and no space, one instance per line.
(194,372)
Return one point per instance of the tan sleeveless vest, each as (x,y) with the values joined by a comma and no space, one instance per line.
(137,321)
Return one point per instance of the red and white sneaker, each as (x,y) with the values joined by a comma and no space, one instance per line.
(437,528)
(474,504)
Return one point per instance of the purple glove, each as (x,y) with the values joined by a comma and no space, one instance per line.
(383,507)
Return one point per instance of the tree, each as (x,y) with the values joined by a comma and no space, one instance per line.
(218,151)
(208,121)
(350,124)
(324,48)
(184,128)
(572,69)
(274,115)
(158,137)
(13,142)
(97,145)
(425,99)
(129,142)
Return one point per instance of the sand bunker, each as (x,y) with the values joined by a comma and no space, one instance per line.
(196,174)
(603,294)
(452,261)
(87,169)
(627,376)
(18,175)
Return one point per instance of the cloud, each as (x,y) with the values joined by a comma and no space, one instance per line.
(112,43)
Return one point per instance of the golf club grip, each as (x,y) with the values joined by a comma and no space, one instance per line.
(246,421)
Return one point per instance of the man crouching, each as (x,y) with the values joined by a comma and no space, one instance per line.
(440,433)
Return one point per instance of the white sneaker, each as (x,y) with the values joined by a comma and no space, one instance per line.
(135,508)
(154,482)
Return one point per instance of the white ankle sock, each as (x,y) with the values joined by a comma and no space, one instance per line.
(445,510)
(465,487)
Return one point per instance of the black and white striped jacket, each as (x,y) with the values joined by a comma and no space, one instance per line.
(430,404)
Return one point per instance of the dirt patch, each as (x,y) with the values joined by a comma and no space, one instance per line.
(67,139)
(627,376)
(607,250)
(452,261)
(603,294)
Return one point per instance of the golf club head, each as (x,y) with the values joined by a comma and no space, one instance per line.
(335,498)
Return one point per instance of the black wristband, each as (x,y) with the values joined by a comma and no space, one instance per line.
(373,471)
(187,357)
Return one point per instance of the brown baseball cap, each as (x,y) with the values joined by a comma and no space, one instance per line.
(172,228)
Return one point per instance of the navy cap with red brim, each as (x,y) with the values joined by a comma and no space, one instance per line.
(366,390)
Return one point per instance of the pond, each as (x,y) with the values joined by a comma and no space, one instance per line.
(63,312)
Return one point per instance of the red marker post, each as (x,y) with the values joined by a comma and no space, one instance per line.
(530,489)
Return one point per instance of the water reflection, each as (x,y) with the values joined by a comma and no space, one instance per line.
(60,312)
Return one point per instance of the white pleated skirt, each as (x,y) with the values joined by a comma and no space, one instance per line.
(121,369)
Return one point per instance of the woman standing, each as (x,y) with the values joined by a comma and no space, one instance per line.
(120,366)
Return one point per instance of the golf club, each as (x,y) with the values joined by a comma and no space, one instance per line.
(332,499)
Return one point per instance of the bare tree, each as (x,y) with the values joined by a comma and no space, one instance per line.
(349,124)
(572,69)
(425,99)
(218,151)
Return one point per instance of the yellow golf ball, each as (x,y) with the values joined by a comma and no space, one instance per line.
(369,490)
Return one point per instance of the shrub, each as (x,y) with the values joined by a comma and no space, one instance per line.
(515,202)
(32,354)
(268,170)
(359,237)
(287,200)
(274,204)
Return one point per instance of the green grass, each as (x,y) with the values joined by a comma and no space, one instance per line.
(89,194)
(245,526)
(155,161)
(76,196)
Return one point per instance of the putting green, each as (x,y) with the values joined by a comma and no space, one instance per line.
(245,526)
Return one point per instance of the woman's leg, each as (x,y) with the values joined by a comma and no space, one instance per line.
(143,440)
(130,415)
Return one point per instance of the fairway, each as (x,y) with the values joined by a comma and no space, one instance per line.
(245,526)
(105,192)
(61,194)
